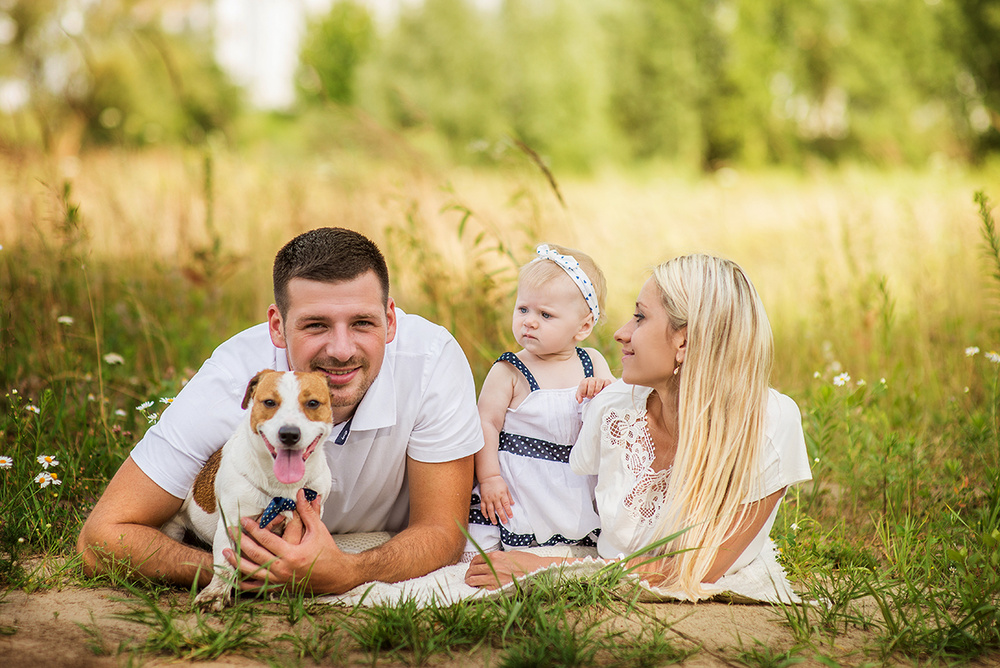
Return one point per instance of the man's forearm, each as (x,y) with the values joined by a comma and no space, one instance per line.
(142,550)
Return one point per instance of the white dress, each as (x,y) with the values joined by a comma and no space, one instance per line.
(552,505)
(615,444)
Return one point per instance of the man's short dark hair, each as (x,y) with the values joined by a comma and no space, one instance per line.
(330,255)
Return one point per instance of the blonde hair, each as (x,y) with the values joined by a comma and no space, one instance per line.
(540,271)
(723,395)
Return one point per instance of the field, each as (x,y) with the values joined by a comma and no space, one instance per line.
(121,271)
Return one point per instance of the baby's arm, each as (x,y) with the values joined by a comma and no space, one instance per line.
(494,399)
(590,387)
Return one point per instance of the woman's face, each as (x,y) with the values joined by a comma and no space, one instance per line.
(651,349)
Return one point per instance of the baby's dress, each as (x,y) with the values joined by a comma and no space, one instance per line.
(552,505)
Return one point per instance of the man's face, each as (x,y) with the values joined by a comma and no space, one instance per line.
(340,329)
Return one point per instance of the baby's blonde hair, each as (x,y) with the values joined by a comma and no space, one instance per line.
(723,399)
(539,271)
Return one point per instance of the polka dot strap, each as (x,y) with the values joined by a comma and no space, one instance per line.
(588,364)
(512,359)
(280,504)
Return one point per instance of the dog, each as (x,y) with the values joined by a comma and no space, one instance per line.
(276,449)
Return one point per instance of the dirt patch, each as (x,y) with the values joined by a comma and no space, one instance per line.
(66,626)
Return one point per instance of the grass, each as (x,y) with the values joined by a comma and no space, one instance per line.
(118,279)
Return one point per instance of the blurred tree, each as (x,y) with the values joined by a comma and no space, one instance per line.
(112,72)
(334,47)
(975,38)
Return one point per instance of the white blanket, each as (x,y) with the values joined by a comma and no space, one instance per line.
(761,581)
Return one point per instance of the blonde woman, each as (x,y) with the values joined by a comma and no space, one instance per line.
(692,438)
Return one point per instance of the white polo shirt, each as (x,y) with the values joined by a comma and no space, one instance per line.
(421,404)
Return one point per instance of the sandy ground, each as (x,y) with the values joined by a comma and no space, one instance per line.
(49,628)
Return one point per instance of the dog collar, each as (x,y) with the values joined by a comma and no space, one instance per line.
(280,504)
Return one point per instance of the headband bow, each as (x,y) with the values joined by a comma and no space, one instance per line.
(573,269)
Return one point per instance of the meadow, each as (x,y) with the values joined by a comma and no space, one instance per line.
(121,270)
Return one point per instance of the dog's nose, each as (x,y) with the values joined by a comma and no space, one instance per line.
(289,435)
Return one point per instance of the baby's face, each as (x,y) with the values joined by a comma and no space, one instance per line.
(550,318)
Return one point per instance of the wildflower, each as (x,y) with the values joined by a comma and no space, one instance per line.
(91,397)
(120,412)
(43,479)
(971,351)
(794,527)
(167,400)
(54,479)
(816,374)
(841,379)
(6,461)
(881,381)
(47,460)
(966,390)
(114,358)
(65,320)
(34,409)
(13,391)
(993,356)
(21,539)
(143,406)
(861,382)
(816,460)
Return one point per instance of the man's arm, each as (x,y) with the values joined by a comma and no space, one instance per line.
(124,530)
(439,506)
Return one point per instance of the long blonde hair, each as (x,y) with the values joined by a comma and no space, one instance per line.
(723,394)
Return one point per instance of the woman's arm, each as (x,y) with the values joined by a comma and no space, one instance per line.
(743,534)
(507,565)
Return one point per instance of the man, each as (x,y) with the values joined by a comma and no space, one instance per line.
(405,430)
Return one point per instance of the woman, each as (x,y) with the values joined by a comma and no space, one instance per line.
(690,439)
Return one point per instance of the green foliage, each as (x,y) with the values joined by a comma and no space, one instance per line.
(122,78)
(334,47)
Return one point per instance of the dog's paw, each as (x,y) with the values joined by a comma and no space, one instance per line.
(216,596)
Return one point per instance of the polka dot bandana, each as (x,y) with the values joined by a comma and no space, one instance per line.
(280,504)
(576,272)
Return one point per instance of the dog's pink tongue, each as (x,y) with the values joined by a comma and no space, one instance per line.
(289,466)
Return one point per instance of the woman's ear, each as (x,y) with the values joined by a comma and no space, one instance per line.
(680,340)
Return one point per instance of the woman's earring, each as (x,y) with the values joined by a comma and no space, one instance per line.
(677,369)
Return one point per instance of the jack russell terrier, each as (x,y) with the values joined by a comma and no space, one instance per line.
(277,448)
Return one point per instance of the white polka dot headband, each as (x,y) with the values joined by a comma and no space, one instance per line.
(576,272)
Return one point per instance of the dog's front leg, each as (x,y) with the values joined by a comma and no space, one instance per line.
(219,592)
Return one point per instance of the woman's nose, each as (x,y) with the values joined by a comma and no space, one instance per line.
(623,334)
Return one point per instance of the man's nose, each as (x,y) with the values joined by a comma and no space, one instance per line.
(339,344)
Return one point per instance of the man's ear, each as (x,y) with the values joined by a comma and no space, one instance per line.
(275,327)
(585,328)
(390,321)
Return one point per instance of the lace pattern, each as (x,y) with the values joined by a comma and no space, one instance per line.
(647,494)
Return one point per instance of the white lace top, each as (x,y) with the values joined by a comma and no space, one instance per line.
(615,445)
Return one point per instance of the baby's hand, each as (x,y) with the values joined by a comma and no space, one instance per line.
(589,388)
(496,501)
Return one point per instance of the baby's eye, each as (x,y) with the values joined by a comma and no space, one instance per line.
(546,315)
(522,309)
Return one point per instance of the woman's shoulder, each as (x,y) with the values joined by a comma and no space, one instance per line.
(619,394)
(782,411)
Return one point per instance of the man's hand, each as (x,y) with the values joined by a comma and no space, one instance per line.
(508,565)
(495,499)
(590,388)
(306,555)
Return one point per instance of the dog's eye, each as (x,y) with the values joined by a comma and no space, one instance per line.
(270,403)
(312,403)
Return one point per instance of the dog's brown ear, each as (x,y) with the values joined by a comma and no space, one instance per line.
(252,385)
